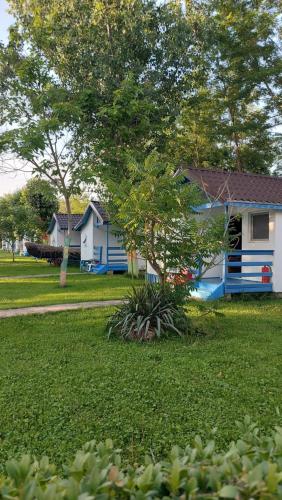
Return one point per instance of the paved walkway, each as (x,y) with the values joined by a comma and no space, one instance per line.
(24,311)
(54,275)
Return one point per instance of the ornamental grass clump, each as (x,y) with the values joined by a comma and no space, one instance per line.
(149,312)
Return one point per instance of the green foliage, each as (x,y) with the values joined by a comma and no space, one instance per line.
(149,312)
(228,120)
(128,75)
(200,82)
(78,204)
(154,207)
(250,468)
(40,198)
(15,218)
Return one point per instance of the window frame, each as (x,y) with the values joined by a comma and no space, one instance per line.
(251,215)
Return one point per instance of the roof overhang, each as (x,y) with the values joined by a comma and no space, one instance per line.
(52,224)
(84,219)
(239,204)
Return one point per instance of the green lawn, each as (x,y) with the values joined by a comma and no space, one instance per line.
(27,266)
(24,292)
(80,288)
(63,382)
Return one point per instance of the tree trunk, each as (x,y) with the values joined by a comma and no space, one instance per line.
(67,240)
(13,251)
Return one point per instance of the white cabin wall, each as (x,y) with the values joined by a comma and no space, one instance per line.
(277,268)
(150,270)
(87,240)
(217,269)
(53,237)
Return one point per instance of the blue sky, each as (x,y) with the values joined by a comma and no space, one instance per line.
(5,20)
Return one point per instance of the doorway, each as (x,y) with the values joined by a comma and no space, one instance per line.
(235,233)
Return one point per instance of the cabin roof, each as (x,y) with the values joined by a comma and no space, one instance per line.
(62,220)
(237,186)
(96,207)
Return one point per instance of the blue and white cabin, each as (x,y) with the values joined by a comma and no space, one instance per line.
(58,229)
(252,205)
(101,245)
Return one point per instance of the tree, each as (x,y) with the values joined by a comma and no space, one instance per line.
(38,116)
(154,207)
(203,81)
(14,219)
(128,73)
(40,197)
(240,47)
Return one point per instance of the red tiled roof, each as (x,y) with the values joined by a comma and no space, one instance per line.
(237,186)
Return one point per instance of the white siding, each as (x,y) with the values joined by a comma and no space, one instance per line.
(87,243)
(57,236)
(277,268)
(91,236)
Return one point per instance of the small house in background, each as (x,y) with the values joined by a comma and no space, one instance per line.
(252,206)
(58,228)
(101,243)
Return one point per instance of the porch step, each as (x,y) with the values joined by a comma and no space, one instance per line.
(246,286)
(104,268)
(208,289)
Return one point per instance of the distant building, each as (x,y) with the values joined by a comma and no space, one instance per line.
(58,228)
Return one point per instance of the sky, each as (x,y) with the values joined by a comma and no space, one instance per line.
(8,183)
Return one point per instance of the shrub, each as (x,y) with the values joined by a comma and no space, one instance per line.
(148,312)
(251,468)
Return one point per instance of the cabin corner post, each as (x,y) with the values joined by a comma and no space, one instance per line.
(107,232)
(225,256)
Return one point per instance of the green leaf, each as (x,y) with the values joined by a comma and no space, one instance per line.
(229,491)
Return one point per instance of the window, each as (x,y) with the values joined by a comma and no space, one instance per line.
(260,226)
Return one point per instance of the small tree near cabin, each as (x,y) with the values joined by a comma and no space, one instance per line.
(154,206)
(37,115)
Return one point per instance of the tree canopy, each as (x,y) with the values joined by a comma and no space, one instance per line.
(200,83)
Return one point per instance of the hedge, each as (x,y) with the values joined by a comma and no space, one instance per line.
(251,468)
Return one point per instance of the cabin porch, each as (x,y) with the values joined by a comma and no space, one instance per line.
(106,259)
(242,273)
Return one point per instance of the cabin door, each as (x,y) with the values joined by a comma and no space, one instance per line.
(235,232)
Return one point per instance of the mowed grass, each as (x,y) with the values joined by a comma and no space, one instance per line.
(27,266)
(63,383)
(86,287)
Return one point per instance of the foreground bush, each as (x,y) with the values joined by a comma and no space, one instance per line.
(251,468)
(150,311)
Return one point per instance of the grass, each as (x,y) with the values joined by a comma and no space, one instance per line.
(26,266)
(17,292)
(63,383)
(35,291)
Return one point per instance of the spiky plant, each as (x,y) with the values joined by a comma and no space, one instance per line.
(149,312)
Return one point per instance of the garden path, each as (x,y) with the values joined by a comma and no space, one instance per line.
(23,276)
(24,311)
